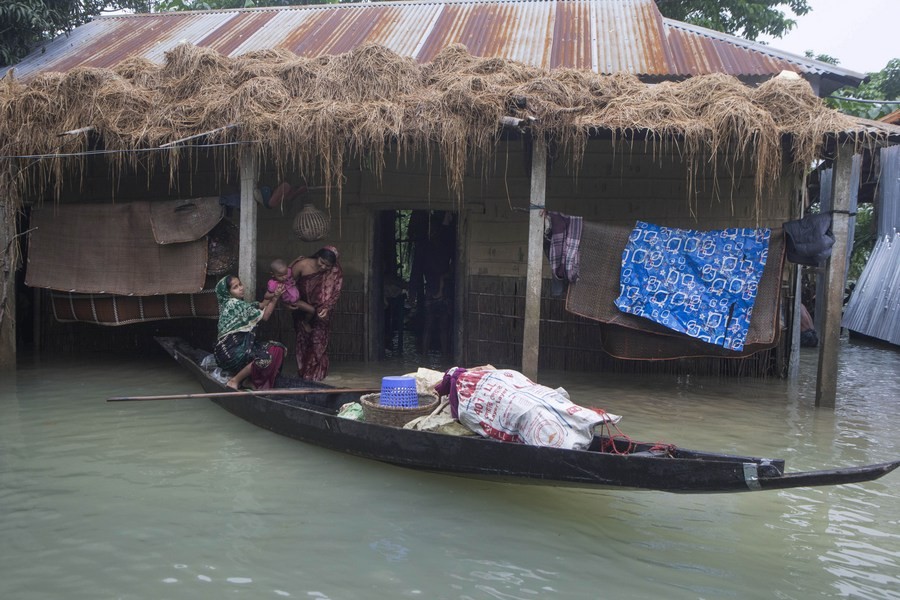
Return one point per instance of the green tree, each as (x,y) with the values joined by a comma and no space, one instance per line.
(24,24)
(825,58)
(746,18)
(173,5)
(883,85)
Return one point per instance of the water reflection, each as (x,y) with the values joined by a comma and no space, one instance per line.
(179,499)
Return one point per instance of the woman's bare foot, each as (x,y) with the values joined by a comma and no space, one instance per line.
(233,384)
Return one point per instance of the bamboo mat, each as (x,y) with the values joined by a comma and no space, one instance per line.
(109,249)
(104,309)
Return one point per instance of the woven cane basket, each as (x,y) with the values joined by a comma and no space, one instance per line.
(311,224)
(395,416)
(222,254)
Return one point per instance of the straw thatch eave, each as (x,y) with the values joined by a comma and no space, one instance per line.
(312,114)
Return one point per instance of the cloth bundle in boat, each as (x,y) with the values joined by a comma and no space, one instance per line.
(505,405)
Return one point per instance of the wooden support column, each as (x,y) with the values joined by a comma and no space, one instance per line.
(9,259)
(801,194)
(830,304)
(537,202)
(247,254)
(794,360)
(7,288)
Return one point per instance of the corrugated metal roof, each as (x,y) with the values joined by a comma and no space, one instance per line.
(605,36)
(892,118)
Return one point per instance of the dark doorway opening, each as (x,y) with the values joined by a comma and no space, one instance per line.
(416,253)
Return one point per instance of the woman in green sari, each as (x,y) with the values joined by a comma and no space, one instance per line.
(237,350)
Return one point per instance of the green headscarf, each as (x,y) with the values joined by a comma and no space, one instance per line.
(235,315)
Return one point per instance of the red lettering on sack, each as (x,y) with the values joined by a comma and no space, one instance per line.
(497,434)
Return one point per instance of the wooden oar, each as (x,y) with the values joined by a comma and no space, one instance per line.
(281,392)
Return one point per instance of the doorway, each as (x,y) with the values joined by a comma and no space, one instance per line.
(415,259)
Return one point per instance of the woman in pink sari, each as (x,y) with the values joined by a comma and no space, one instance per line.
(319,279)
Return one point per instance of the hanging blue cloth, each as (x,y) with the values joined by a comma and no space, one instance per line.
(700,283)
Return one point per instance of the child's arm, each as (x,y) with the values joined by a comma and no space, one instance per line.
(271,287)
(268,303)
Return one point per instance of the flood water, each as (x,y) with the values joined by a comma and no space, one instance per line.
(180,499)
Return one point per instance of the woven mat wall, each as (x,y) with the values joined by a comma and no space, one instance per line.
(104,309)
(109,249)
(175,221)
(594,295)
(634,344)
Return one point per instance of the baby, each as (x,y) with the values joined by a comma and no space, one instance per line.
(281,275)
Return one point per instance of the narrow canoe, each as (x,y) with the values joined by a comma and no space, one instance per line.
(312,418)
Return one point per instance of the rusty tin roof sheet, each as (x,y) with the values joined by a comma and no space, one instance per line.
(605,36)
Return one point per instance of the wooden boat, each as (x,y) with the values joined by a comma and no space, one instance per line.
(312,418)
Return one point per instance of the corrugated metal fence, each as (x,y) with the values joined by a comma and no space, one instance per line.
(874,307)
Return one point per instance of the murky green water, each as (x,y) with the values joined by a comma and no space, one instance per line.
(179,499)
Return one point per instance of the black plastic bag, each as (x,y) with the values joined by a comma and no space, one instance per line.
(808,241)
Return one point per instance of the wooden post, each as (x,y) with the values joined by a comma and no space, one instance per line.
(794,360)
(462,287)
(831,302)
(8,259)
(37,321)
(247,253)
(801,193)
(537,202)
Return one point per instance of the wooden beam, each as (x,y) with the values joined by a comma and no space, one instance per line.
(247,253)
(193,137)
(831,302)
(537,202)
(87,129)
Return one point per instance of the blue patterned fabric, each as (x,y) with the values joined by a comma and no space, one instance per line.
(700,283)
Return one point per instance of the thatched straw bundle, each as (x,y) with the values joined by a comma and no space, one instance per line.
(315,113)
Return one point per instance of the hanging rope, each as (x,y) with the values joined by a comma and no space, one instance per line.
(609,438)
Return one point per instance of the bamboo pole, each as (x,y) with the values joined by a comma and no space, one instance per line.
(193,137)
(254,393)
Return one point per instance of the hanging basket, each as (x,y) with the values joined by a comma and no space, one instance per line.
(311,224)
(222,243)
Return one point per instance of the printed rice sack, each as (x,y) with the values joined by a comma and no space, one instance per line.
(506,405)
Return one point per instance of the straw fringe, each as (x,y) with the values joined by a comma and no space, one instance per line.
(315,114)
